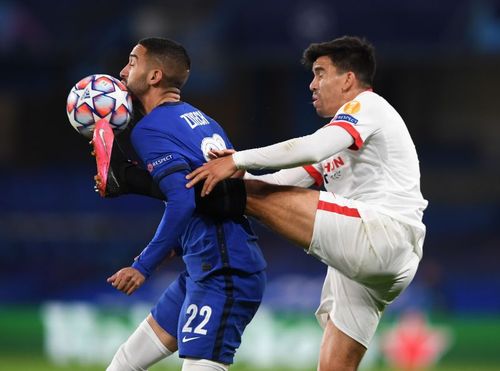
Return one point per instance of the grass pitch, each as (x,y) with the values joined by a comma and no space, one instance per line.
(37,363)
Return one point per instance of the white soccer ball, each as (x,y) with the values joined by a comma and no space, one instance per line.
(97,97)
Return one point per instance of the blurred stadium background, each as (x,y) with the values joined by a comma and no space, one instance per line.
(439,65)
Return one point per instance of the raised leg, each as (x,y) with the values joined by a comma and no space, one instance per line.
(290,211)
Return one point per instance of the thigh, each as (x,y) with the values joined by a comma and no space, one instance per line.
(339,237)
(363,244)
(287,210)
(167,309)
(212,318)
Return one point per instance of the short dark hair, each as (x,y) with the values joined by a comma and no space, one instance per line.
(172,57)
(347,53)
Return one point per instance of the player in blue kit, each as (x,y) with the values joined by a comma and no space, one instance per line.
(204,312)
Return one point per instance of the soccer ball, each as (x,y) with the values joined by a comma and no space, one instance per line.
(97,97)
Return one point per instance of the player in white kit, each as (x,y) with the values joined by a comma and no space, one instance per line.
(367,226)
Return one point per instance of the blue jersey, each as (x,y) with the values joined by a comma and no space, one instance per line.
(172,140)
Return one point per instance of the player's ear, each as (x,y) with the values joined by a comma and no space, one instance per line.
(349,80)
(155,76)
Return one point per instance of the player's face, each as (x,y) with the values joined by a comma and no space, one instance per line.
(327,87)
(134,74)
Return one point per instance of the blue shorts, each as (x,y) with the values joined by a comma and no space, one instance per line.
(208,317)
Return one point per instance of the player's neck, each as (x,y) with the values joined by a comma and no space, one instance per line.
(355,92)
(169,96)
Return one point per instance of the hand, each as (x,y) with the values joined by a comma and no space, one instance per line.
(213,172)
(217,153)
(127,280)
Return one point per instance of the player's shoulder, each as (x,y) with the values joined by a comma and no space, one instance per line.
(367,104)
(379,111)
(366,100)
(373,100)
(160,119)
(357,109)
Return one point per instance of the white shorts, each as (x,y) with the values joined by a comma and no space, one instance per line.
(371,259)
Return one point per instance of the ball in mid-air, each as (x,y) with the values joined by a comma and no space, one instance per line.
(97,97)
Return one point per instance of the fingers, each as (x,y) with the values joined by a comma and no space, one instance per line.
(128,285)
(122,283)
(209,184)
(216,153)
(213,172)
(193,174)
(196,176)
(134,283)
(111,279)
(131,287)
(126,280)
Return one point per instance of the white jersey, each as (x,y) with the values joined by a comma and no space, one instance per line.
(368,226)
(364,154)
(381,167)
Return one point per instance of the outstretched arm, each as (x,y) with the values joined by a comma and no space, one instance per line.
(306,150)
(297,176)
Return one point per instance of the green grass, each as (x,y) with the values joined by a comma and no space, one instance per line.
(13,363)
(474,344)
(37,363)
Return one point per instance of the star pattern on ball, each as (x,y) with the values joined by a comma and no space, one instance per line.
(97,97)
(120,97)
(86,95)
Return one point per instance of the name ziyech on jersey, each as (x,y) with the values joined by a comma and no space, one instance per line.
(195,119)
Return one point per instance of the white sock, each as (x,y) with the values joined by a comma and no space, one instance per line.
(190,364)
(141,350)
